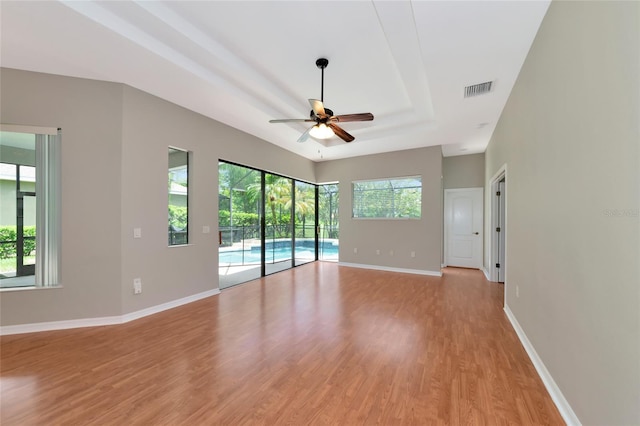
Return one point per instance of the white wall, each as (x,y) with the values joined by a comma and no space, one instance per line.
(570,137)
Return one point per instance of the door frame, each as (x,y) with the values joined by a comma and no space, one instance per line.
(447,223)
(494,236)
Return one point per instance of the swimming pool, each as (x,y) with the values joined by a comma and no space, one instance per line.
(276,253)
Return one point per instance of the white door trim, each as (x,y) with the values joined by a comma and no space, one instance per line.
(492,235)
(447,224)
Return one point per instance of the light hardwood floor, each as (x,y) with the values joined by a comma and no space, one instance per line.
(319,344)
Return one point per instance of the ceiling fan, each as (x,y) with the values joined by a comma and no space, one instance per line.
(325,126)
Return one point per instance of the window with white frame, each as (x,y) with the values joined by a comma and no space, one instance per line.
(390,198)
(30,206)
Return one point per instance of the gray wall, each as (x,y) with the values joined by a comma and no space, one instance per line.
(150,125)
(402,236)
(114,174)
(114,178)
(463,171)
(569,136)
(90,114)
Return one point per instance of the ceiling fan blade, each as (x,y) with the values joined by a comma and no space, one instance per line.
(339,131)
(291,120)
(303,137)
(318,108)
(366,116)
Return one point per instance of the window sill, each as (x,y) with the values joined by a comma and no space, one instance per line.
(11,289)
(386,218)
(180,245)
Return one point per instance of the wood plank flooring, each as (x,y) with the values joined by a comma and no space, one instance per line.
(319,344)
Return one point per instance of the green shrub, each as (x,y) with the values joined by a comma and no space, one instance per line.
(178,217)
(30,244)
(7,240)
(9,234)
(239,218)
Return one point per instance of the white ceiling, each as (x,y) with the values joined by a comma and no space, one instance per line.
(244,63)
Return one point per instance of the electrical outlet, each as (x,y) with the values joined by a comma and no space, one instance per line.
(355,250)
(413,254)
(390,252)
(517,291)
(137,285)
(377,251)
(206,229)
(137,232)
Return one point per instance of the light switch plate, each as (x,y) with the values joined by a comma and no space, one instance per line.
(137,232)
(137,286)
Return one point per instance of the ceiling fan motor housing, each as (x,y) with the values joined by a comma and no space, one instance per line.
(322,63)
(326,110)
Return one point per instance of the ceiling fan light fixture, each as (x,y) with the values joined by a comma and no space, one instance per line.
(321,131)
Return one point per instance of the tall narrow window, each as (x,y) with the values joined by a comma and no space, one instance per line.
(178,197)
(30,213)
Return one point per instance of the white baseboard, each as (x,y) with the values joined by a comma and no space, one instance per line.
(486,273)
(95,322)
(556,395)
(390,269)
(58,325)
(165,306)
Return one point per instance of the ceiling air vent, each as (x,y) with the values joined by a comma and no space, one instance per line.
(478,89)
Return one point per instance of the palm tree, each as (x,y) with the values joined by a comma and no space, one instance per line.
(277,196)
(305,202)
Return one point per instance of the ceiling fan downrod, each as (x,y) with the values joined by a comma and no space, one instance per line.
(322,64)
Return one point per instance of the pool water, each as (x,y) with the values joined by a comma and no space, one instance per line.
(275,254)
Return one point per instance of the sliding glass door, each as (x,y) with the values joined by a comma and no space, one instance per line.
(268,223)
(278,223)
(328,227)
(239,217)
(304,222)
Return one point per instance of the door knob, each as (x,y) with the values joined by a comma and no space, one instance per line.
(477,233)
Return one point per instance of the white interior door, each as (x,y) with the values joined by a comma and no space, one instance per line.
(463,215)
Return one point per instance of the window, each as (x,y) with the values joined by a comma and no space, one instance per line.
(394,198)
(30,212)
(178,197)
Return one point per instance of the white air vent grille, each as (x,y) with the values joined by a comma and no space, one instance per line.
(478,89)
